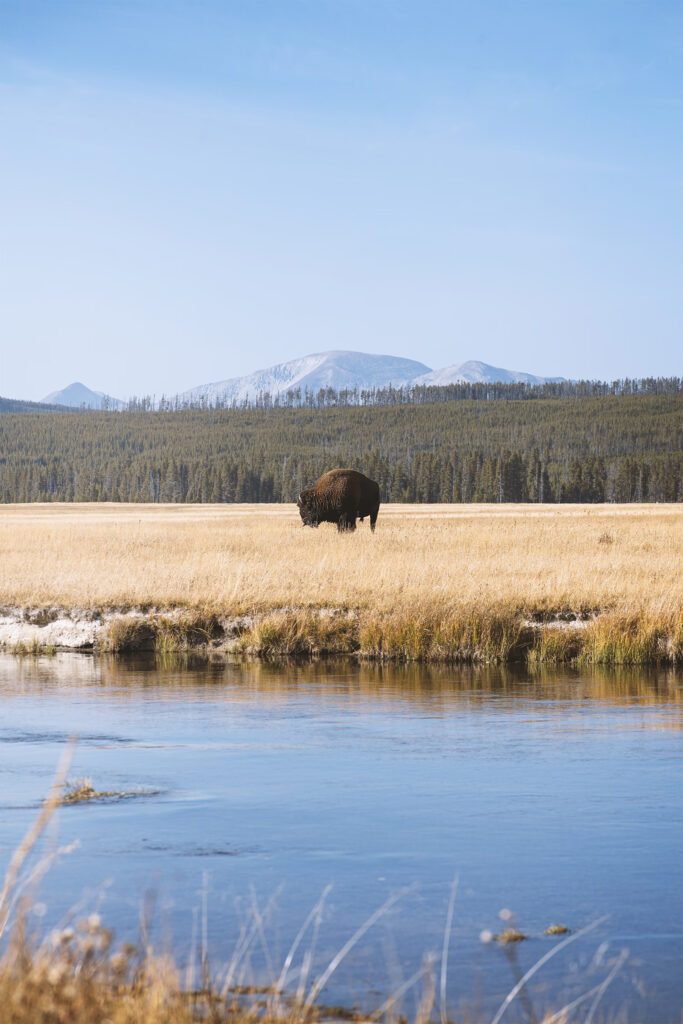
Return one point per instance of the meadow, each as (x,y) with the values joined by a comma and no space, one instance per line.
(435,582)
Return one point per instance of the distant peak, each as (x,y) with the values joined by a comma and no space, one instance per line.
(78,394)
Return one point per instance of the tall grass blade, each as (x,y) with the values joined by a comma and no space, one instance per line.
(444,951)
(316,912)
(402,989)
(19,856)
(598,990)
(623,956)
(348,946)
(539,963)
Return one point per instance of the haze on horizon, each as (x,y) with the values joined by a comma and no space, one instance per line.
(193,191)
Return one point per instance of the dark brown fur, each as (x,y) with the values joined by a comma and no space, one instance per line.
(340,496)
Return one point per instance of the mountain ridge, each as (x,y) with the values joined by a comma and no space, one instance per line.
(473,371)
(25,405)
(338,369)
(342,368)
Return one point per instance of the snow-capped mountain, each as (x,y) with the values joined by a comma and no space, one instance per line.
(77,395)
(337,369)
(341,369)
(475,372)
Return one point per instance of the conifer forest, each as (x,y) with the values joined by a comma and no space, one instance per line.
(566,442)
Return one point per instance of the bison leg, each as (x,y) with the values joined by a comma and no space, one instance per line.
(373,518)
(347,522)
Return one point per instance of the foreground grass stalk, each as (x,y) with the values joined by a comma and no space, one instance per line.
(539,963)
(21,853)
(315,914)
(444,951)
(347,947)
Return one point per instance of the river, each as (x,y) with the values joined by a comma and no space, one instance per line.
(554,795)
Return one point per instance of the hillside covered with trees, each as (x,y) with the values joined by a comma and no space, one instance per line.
(510,443)
(19,405)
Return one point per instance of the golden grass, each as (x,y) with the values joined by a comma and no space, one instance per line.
(77,977)
(296,633)
(434,582)
(166,634)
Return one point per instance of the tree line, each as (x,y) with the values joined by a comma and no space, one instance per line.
(417,394)
(617,445)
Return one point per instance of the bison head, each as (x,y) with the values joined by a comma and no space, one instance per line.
(307,508)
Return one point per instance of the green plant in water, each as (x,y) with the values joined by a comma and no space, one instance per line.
(510,935)
(33,648)
(81,790)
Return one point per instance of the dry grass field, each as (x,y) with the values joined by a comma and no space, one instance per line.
(432,581)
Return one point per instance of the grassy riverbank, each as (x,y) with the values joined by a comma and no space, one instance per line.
(551,584)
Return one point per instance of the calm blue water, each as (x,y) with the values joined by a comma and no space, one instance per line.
(557,796)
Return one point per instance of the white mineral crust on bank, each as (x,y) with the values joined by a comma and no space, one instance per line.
(81,629)
(69,632)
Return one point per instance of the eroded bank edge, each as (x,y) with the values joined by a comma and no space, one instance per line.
(484,634)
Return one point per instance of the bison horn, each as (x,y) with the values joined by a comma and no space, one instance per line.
(298,500)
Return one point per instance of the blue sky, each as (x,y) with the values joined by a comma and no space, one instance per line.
(193,190)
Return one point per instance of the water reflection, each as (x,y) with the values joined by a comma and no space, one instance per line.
(434,684)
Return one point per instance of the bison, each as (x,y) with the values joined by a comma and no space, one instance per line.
(340,496)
